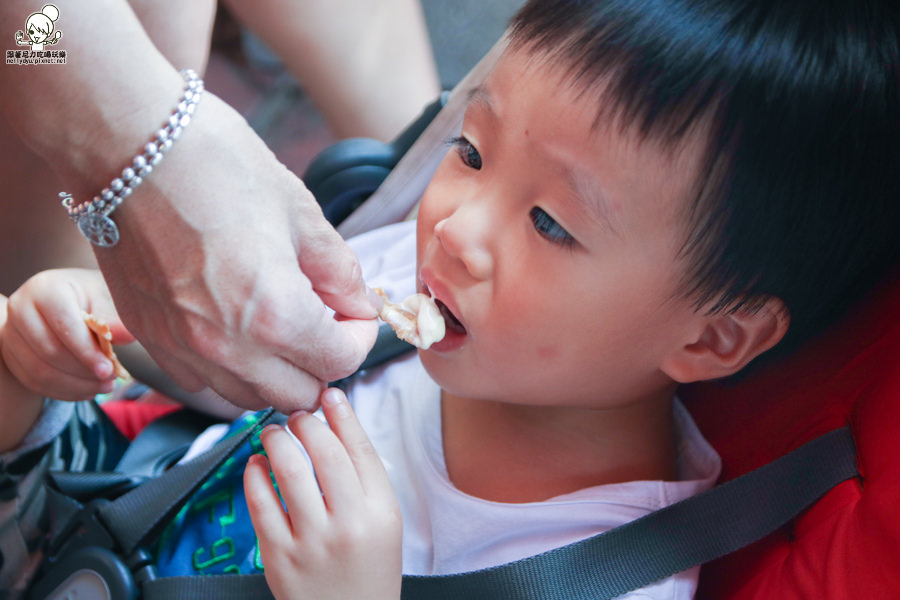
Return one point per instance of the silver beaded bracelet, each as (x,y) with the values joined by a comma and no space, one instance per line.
(93,217)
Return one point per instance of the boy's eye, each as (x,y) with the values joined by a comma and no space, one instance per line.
(549,229)
(467,152)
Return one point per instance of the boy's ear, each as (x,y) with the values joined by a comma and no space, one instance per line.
(727,342)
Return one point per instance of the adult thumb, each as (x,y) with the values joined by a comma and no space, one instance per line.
(335,274)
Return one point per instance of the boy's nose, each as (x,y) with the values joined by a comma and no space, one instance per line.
(465,240)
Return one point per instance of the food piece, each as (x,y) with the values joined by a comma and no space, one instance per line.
(416,320)
(103,335)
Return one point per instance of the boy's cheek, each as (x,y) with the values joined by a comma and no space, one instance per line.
(431,212)
(427,219)
(443,192)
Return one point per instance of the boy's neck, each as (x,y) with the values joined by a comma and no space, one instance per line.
(513,453)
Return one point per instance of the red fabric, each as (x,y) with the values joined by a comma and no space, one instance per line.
(131,416)
(848,544)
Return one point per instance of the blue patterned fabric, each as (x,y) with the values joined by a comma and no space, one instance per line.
(212,533)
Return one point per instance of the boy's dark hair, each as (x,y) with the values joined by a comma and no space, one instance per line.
(798,197)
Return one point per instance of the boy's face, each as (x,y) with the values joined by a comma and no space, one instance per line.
(552,238)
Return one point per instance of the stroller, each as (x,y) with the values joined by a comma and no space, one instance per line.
(843,545)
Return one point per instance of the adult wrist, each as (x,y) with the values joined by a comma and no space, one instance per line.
(93,217)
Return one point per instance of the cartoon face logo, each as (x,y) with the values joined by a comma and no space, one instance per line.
(39,29)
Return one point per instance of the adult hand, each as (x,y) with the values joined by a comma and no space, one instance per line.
(225,268)
(225,265)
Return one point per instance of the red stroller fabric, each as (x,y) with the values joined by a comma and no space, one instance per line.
(130,417)
(848,544)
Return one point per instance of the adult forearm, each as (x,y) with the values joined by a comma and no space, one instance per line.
(225,264)
(89,115)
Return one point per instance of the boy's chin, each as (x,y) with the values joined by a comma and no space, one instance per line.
(442,370)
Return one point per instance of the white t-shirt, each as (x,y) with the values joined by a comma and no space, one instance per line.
(447,531)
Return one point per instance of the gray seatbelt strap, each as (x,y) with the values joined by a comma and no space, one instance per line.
(139,515)
(667,541)
(208,587)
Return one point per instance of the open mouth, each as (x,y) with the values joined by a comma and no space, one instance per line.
(449,318)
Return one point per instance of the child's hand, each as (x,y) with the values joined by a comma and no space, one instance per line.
(46,344)
(341,543)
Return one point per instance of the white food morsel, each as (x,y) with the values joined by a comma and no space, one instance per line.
(417,319)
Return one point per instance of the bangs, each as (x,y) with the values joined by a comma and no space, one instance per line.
(657,78)
(657,81)
(800,109)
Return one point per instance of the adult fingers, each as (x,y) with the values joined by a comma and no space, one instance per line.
(261,380)
(291,322)
(334,348)
(332,267)
(288,349)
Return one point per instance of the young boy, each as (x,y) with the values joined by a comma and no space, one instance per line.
(643,194)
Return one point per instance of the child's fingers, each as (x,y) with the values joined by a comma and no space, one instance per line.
(62,340)
(266,513)
(336,473)
(296,480)
(45,379)
(74,334)
(343,422)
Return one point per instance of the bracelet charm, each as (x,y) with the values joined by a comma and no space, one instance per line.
(93,217)
(98,228)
